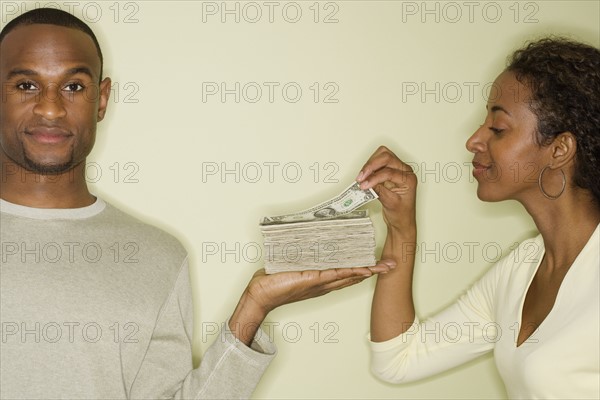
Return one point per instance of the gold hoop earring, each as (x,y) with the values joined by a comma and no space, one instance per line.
(564,184)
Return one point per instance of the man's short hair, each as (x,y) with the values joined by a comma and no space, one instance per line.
(52,16)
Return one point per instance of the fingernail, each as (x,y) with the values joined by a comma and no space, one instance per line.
(360,176)
(363,185)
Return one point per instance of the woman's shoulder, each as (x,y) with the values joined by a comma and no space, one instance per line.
(527,253)
(519,262)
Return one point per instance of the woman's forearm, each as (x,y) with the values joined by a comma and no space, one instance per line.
(392,310)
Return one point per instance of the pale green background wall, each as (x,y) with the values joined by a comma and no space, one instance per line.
(161,138)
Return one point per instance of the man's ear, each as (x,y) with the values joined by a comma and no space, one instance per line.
(563,149)
(104,96)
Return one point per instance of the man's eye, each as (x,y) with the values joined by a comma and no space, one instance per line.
(28,86)
(73,87)
(496,131)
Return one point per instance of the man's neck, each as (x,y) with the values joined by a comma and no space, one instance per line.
(23,187)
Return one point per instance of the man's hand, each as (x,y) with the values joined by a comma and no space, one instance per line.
(265,292)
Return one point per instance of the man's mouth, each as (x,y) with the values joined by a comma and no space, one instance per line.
(48,135)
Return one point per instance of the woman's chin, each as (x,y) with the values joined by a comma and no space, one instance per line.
(484,195)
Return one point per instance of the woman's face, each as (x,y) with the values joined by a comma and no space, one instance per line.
(507,159)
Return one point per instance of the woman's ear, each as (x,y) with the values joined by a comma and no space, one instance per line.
(563,148)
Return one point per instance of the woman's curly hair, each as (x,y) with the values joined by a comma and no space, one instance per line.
(564,79)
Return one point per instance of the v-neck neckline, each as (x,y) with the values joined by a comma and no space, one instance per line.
(524,296)
(558,293)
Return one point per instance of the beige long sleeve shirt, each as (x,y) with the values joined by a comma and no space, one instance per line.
(95,304)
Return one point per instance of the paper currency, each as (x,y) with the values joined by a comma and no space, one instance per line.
(332,234)
(347,201)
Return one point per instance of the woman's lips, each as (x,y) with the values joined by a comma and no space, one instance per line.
(479,168)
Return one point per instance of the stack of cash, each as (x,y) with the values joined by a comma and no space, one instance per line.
(332,234)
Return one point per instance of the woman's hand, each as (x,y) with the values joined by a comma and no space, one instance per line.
(392,310)
(396,184)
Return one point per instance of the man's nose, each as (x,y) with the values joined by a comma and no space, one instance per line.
(50,103)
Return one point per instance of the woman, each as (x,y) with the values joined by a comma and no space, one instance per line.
(540,313)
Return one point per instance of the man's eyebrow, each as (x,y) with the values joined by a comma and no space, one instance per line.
(69,72)
(80,70)
(18,71)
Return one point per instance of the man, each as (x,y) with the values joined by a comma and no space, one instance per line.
(95,303)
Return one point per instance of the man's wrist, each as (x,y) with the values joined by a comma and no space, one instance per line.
(246,319)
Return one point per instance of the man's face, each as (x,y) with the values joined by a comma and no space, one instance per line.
(51,99)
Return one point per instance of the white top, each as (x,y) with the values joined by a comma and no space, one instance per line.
(561,359)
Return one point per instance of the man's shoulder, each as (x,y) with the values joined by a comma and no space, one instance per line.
(101,240)
(128,229)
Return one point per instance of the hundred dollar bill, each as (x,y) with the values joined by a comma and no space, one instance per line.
(344,203)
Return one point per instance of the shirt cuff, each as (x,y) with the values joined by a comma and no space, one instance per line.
(262,345)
